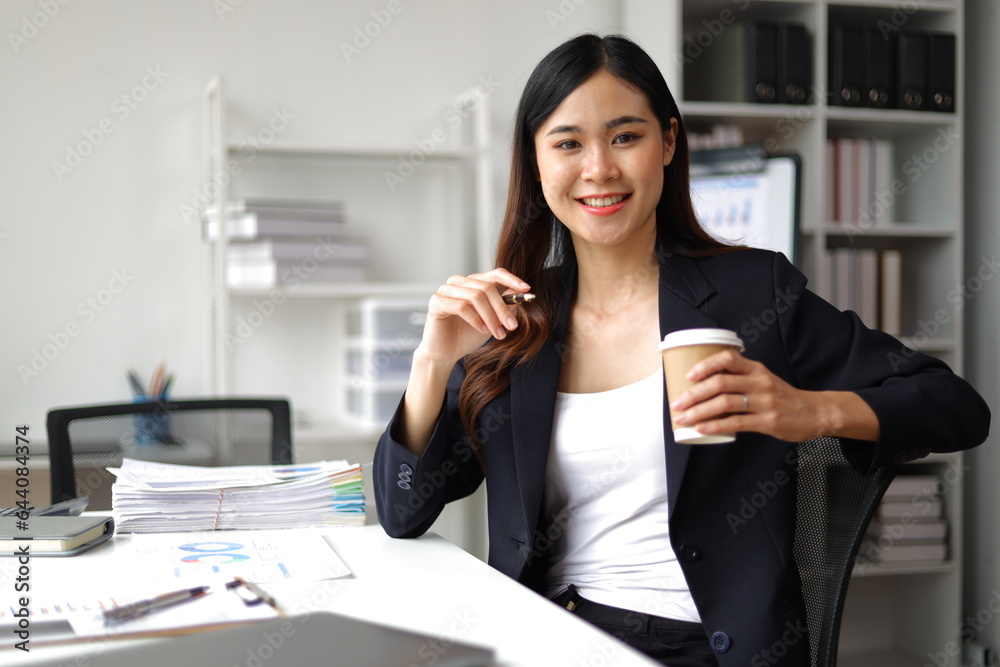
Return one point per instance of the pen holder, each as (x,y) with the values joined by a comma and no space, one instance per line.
(154,427)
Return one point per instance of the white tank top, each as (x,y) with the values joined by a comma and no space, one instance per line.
(606,496)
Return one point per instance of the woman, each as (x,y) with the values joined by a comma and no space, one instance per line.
(559,403)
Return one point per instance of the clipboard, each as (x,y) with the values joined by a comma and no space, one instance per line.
(225,605)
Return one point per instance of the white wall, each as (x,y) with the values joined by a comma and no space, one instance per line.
(66,234)
(981,602)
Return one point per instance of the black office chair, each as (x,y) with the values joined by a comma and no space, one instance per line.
(85,440)
(835,505)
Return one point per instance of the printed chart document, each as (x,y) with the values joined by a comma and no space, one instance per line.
(261,556)
(162,563)
(150,497)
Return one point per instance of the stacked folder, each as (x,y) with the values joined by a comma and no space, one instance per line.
(150,497)
(753,61)
(283,243)
(894,69)
(909,525)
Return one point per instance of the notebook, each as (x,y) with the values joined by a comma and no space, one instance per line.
(53,535)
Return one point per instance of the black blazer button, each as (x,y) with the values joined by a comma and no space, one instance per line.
(720,642)
(404,484)
(405,468)
(689,553)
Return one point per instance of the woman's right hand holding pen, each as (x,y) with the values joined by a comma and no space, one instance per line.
(466,311)
(461,316)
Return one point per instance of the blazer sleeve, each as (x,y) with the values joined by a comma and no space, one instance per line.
(411,490)
(921,405)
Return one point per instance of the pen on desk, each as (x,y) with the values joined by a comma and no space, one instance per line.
(143,607)
(512,299)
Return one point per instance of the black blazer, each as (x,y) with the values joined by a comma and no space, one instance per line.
(740,571)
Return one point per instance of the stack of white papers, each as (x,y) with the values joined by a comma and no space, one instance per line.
(149,497)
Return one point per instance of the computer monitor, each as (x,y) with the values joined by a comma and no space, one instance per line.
(745,196)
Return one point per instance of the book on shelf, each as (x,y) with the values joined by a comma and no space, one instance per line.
(267,273)
(753,61)
(909,69)
(890,271)
(283,209)
(845,65)
(253,218)
(924,530)
(915,509)
(859,181)
(905,487)
(868,281)
(150,497)
(251,226)
(721,135)
(282,249)
(901,552)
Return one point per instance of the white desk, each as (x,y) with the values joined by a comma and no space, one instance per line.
(427,585)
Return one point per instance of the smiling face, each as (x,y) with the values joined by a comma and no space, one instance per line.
(600,159)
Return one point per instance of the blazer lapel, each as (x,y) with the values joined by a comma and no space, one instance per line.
(532,407)
(683,289)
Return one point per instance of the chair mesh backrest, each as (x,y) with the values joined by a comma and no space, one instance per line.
(835,504)
(204,436)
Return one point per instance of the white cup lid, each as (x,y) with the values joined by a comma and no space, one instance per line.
(701,337)
(688,435)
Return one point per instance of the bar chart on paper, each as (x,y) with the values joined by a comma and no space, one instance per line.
(261,556)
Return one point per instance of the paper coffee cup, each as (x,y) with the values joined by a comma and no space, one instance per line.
(681,350)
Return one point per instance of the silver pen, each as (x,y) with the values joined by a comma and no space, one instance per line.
(143,607)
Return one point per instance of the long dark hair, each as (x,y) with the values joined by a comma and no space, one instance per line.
(531,239)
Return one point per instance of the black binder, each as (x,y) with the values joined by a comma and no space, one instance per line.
(794,64)
(877,66)
(941,72)
(846,76)
(762,62)
(911,70)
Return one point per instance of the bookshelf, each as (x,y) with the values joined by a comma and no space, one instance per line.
(901,616)
(434,203)
(425,210)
